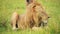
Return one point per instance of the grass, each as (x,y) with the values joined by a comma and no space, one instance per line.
(7,7)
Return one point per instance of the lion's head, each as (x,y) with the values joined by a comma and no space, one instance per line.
(39,15)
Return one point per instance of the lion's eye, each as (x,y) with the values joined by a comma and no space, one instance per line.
(34,6)
(48,17)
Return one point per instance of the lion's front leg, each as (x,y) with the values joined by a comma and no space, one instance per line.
(14,20)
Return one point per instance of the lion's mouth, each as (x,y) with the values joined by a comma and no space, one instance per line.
(42,24)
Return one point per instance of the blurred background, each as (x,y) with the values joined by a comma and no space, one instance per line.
(7,7)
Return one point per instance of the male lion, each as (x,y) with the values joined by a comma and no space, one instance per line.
(35,16)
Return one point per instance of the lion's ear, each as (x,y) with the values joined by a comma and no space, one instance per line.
(30,1)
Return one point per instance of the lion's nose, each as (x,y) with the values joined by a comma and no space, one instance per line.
(45,23)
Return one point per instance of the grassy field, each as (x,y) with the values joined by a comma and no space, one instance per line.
(7,7)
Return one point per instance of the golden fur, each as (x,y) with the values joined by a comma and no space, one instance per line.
(33,17)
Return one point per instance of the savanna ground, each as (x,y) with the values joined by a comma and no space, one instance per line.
(7,7)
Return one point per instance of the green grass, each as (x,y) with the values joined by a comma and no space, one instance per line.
(7,7)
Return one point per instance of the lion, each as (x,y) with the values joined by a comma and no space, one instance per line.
(35,16)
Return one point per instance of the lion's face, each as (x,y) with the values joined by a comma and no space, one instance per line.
(41,13)
(45,19)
